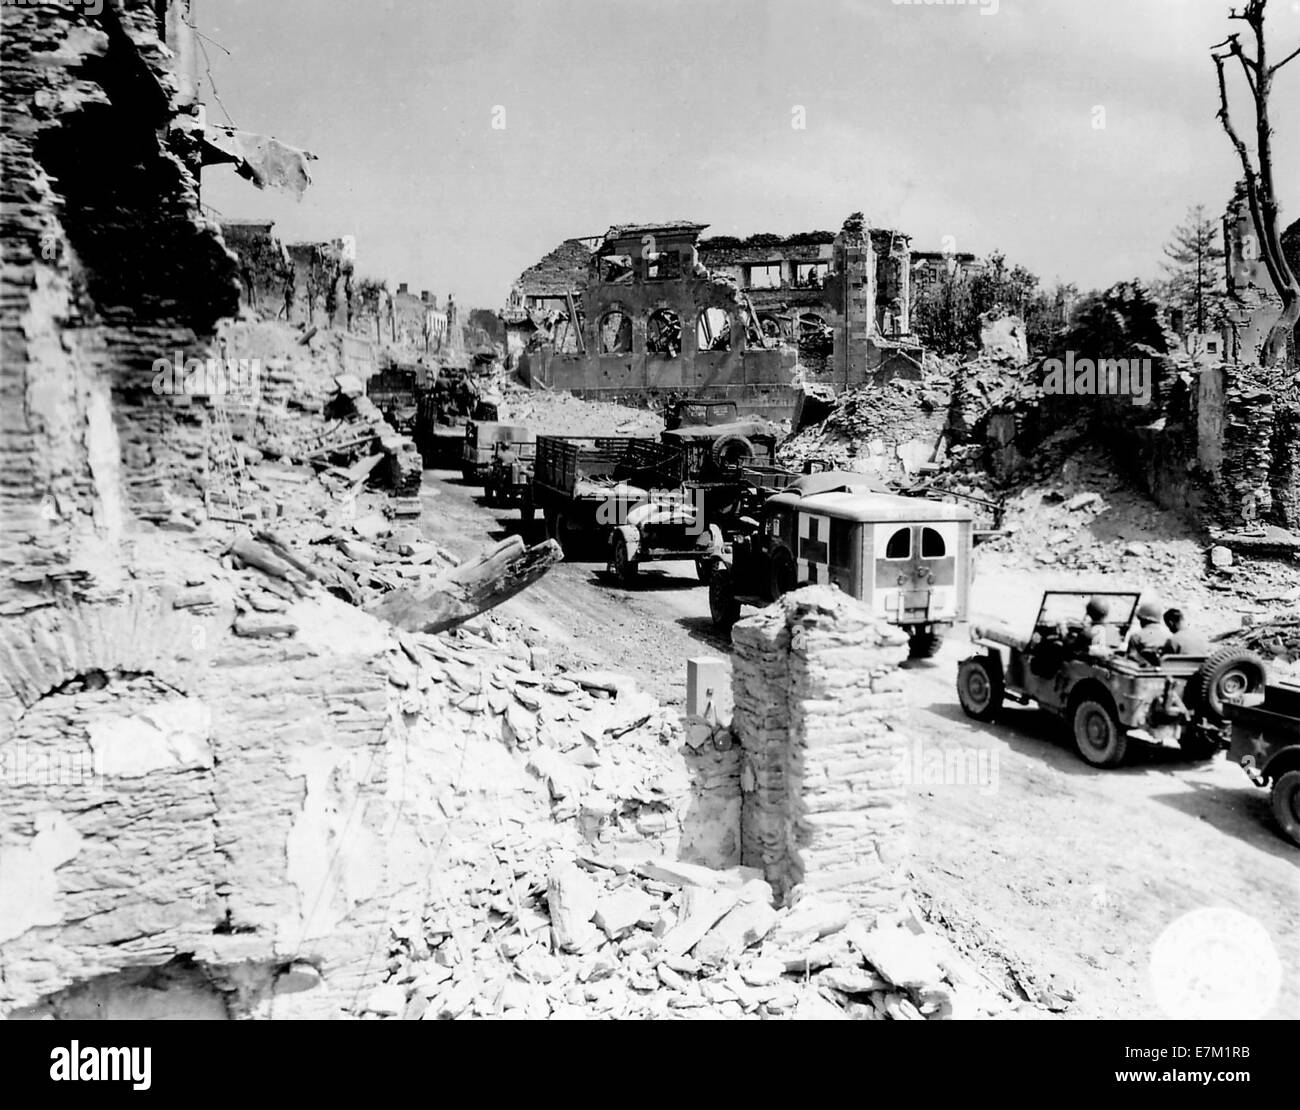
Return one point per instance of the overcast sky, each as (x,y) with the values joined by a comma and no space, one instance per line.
(937,120)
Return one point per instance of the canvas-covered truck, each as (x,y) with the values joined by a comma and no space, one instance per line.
(908,558)
(481,440)
(1265,741)
(1106,696)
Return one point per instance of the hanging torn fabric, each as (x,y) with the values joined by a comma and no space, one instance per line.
(262,160)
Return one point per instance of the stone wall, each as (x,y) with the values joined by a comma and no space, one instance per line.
(820,717)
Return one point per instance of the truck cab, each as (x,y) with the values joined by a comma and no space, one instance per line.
(907,558)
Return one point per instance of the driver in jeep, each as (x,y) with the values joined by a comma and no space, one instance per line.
(1093,637)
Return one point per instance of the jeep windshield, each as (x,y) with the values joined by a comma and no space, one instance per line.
(1069,607)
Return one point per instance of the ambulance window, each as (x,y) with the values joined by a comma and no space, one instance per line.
(900,545)
(932,545)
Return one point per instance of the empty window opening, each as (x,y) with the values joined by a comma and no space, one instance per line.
(663,333)
(765,276)
(713,331)
(615,333)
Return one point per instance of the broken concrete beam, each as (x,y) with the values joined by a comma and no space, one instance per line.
(470,589)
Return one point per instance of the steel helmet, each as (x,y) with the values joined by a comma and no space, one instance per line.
(1098,608)
(1150,612)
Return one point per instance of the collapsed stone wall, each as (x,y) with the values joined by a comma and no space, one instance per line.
(820,716)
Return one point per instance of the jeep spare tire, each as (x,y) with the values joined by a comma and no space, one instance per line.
(731,451)
(1229,675)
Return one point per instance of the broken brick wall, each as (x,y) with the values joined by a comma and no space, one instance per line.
(169,791)
(820,714)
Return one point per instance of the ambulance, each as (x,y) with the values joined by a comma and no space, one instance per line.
(908,558)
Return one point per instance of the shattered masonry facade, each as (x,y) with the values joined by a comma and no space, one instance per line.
(228,765)
(713,298)
(820,715)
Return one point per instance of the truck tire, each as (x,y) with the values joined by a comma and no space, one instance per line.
(704,569)
(625,569)
(723,606)
(527,510)
(1285,801)
(1098,736)
(489,494)
(924,645)
(731,451)
(467,475)
(1227,675)
(784,576)
(980,689)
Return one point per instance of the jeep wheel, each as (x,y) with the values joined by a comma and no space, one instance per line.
(1098,736)
(1286,803)
(979,689)
(625,569)
(1230,674)
(723,606)
(704,569)
(924,645)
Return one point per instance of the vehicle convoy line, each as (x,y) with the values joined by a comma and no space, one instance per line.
(1077,870)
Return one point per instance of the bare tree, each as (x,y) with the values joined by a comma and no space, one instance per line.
(1259,172)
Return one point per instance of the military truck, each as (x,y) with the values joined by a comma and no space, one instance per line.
(510,477)
(481,440)
(580,485)
(907,558)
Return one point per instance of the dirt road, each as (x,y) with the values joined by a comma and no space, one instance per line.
(1036,857)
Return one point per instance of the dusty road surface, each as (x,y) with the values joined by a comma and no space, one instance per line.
(1068,873)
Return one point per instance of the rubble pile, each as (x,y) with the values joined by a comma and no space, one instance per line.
(876,429)
(547,413)
(1075,515)
(550,932)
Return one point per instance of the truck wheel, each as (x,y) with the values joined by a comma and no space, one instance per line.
(783,573)
(467,475)
(1098,736)
(723,606)
(924,645)
(1198,744)
(704,569)
(489,495)
(625,569)
(979,689)
(527,510)
(1286,803)
(1228,675)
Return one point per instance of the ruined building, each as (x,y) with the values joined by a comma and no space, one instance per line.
(172,794)
(650,309)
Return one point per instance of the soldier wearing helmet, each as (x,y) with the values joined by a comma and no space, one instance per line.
(1151,640)
(1093,636)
